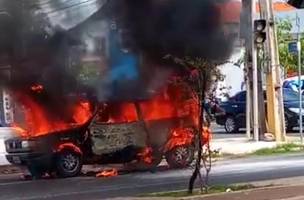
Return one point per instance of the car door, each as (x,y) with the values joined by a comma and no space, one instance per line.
(113,135)
(239,106)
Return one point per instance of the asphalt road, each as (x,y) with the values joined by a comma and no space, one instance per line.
(136,183)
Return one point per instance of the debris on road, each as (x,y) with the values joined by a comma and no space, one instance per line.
(107,173)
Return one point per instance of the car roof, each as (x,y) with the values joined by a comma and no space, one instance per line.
(294,78)
(284,90)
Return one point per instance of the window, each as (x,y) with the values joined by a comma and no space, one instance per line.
(117,113)
(241,96)
(294,84)
(290,95)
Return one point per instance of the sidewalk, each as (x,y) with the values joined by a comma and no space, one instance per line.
(238,145)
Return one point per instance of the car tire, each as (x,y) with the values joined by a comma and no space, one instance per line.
(180,156)
(231,125)
(68,163)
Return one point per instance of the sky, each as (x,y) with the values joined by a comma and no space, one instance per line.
(292,16)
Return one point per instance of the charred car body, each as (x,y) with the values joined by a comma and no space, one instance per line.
(96,39)
(134,135)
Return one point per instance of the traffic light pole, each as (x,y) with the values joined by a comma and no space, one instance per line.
(275,109)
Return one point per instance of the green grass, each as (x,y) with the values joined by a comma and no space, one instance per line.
(280,149)
(211,190)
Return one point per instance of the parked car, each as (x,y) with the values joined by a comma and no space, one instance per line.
(293,83)
(233,114)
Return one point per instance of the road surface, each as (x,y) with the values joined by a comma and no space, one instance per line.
(133,184)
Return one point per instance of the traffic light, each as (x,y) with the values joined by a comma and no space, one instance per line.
(259,31)
(296,3)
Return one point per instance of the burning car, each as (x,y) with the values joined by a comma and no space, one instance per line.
(138,132)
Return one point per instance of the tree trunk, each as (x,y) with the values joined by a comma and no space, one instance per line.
(201,99)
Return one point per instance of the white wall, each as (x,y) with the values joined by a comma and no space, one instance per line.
(234,75)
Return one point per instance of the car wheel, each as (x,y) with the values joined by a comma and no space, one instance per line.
(231,125)
(68,163)
(180,157)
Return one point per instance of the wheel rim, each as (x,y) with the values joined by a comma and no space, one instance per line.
(70,162)
(230,125)
(181,155)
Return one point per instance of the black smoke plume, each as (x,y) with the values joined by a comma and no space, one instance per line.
(181,28)
(155,28)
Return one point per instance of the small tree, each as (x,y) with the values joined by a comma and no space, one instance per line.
(288,60)
(203,74)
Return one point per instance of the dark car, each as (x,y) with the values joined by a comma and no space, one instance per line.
(233,114)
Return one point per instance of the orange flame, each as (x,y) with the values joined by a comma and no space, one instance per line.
(69,145)
(206,135)
(163,106)
(174,102)
(20,131)
(146,155)
(126,113)
(38,122)
(107,173)
(179,137)
(185,136)
(82,112)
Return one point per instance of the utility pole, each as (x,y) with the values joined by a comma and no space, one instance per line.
(299,77)
(275,109)
(246,36)
(248,97)
(254,76)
